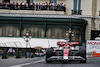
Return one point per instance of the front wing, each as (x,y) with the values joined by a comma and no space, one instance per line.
(77,58)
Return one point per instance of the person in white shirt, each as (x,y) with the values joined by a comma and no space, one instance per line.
(23,3)
(62,4)
(26,5)
(37,53)
(40,54)
(55,6)
(44,52)
(11,51)
(43,6)
(40,6)
(30,5)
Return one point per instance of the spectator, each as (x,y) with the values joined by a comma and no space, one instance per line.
(55,6)
(31,54)
(13,5)
(7,5)
(11,51)
(49,6)
(37,53)
(65,8)
(62,7)
(58,7)
(30,5)
(36,6)
(20,5)
(26,6)
(1,52)
(40,54)
(4,5)
(23,5)
(33,6)
(39,6)
(16,7)
(27,54)
(43,50)
(46,5)
(42,7)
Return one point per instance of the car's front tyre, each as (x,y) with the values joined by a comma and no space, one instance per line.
(82,52)
(49,53)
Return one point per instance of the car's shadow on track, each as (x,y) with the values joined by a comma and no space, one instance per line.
(70,62)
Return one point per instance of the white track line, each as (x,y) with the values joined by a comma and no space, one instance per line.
(38,61)
(20,65)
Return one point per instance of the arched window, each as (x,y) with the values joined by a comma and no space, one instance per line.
(9,31)
(56,33)
(34,31)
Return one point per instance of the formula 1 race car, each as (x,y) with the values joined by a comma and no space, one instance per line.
(66,51)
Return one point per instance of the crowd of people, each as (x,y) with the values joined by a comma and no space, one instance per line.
(37,53)
(23,52)
(33,6)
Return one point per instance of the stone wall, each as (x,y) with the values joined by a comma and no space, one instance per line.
(98,8)
(86,7)
(88,29)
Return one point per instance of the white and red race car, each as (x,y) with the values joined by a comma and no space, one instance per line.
(66,51)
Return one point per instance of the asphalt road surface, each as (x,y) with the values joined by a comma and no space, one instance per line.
(40,62)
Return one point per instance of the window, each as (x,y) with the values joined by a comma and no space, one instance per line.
(31,1)
(6,1)
(55,1)
(77,7)
(51,1)
(28,1)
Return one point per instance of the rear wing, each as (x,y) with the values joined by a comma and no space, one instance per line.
(67,43)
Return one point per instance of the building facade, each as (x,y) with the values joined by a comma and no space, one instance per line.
(85,9)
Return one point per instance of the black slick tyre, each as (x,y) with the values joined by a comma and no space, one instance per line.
(49,53)
(82,52)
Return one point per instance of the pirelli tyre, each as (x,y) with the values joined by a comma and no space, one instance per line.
(49,53)
(82,52)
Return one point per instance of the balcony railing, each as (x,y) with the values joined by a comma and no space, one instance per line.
(31,7)
(75,12)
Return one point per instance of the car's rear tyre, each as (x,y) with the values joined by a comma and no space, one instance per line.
(82,52)
(49,53)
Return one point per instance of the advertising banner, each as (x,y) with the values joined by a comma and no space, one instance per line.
(93,48)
